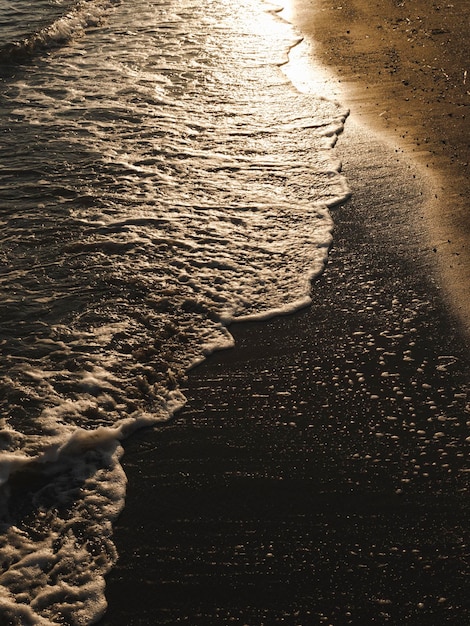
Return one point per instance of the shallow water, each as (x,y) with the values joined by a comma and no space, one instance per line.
(161,177)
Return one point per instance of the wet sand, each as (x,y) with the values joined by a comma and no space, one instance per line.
(318,473)
(403,68)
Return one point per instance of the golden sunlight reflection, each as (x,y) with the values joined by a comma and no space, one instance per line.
(302,70)
(270,37)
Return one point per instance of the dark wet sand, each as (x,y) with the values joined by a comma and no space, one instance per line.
(317,474)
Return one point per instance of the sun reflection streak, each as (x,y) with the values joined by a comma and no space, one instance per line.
(303,71)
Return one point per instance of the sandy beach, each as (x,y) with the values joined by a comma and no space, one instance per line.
(402,67)
(318,473)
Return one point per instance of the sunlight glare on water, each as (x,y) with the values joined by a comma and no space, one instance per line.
(305,74)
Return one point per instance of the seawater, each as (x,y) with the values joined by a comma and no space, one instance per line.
(160,178)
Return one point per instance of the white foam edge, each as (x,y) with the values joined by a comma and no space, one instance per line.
(305,301)
(81,439)
(225,342)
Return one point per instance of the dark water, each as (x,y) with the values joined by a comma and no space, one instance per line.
(160,177)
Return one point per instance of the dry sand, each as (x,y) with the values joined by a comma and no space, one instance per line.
(404,70)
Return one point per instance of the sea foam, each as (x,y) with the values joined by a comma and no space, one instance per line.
(163,179)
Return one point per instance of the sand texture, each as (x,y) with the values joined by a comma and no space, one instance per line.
(317,475)
(404,71)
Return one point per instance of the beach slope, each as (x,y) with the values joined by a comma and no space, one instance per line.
(403,68)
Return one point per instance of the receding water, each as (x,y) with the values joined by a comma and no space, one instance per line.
(160,177)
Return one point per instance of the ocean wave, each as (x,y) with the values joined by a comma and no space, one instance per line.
(86,14)
(160,182)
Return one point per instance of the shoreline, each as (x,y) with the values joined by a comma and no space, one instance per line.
(402,69)
(317,474)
